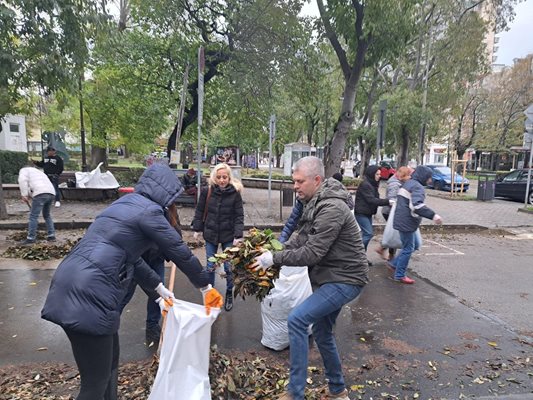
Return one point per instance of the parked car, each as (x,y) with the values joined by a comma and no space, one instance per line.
(387,168)
(513,186)
(442,179)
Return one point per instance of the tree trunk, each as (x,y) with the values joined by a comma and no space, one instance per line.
(98,155)
(335,148)
(3,208)
(403,156)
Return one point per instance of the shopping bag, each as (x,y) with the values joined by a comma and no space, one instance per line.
(96,179)
(183,372)
(391,237)
(290,290)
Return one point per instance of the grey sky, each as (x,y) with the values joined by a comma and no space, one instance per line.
(517,42)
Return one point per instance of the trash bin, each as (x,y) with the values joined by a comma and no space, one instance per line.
(288,197)
(486,187)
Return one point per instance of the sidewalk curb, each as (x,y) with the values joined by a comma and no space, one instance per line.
(84,223)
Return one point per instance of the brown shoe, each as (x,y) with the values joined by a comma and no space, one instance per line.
(339,396)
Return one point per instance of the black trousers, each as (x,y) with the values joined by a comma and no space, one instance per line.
(97,361)
(55,181)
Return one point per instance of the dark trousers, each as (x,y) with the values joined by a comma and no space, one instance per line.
(97,361)
(153,312)
(55,181)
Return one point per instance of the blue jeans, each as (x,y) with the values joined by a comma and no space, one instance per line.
(320,309)
(365,223)
(210,250)
(410,243)
(41,202)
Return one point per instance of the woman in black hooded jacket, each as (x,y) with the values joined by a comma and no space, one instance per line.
(367,202)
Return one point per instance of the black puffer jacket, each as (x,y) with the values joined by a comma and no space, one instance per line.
(224,220)
(89,285)
(367,198)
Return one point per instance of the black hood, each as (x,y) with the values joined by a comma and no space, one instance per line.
(370,174)
(422,174)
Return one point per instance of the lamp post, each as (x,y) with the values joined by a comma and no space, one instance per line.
(82,128)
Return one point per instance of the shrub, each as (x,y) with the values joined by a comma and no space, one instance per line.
(128,177)
(10,164)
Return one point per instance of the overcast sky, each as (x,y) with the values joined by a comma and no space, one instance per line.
(517,42)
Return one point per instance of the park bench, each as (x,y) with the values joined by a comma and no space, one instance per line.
(183,199)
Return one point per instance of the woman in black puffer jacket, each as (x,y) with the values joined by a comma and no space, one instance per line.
(367,202)
(89,286)
(220,217)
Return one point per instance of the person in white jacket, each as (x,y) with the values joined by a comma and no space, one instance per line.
(38,192)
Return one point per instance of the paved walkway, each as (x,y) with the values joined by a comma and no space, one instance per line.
(493,214)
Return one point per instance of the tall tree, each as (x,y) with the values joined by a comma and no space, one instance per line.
(371,31)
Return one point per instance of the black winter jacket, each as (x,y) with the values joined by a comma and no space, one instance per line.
(225,215)
(367,198)
(89,285)
(51,165)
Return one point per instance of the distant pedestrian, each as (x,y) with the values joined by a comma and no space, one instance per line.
(190,181)
(38,192)
(394,184)
(367,202)
(52,166)
(410,208)
(219,216)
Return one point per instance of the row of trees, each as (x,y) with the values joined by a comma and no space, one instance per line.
(323,77)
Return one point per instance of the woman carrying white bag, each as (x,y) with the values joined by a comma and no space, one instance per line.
(391,238)
(409,210)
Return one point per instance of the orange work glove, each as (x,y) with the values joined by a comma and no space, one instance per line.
(212,298)
(164,305)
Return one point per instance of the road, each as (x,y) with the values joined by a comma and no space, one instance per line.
(462,329)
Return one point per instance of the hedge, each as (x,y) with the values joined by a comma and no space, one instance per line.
(10,163)
(129,177)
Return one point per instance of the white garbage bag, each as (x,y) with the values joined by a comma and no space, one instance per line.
(96,179)
(290,290)
(391,237)
(183,372)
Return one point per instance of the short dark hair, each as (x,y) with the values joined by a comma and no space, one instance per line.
(50,148)
(338,176)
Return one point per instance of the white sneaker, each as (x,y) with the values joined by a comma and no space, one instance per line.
(58,204)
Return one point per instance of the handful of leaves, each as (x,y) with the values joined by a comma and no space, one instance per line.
(241,257)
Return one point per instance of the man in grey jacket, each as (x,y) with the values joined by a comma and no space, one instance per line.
(328,241)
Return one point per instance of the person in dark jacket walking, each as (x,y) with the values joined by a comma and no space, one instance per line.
(52,166)
(367,202)
(220,217)
(410,208)
(327,241)
(88,287)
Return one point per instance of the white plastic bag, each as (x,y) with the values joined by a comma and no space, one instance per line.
(183,372)
(391,237)
(96,179)
(290,290)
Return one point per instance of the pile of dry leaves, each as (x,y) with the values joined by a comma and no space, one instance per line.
(242,376)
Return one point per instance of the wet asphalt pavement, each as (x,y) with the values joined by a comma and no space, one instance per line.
(465,327)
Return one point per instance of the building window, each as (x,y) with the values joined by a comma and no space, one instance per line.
(15,128)
(439,158)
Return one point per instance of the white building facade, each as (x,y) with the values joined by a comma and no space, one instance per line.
(13,134)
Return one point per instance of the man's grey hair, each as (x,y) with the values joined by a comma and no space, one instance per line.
(310,166)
